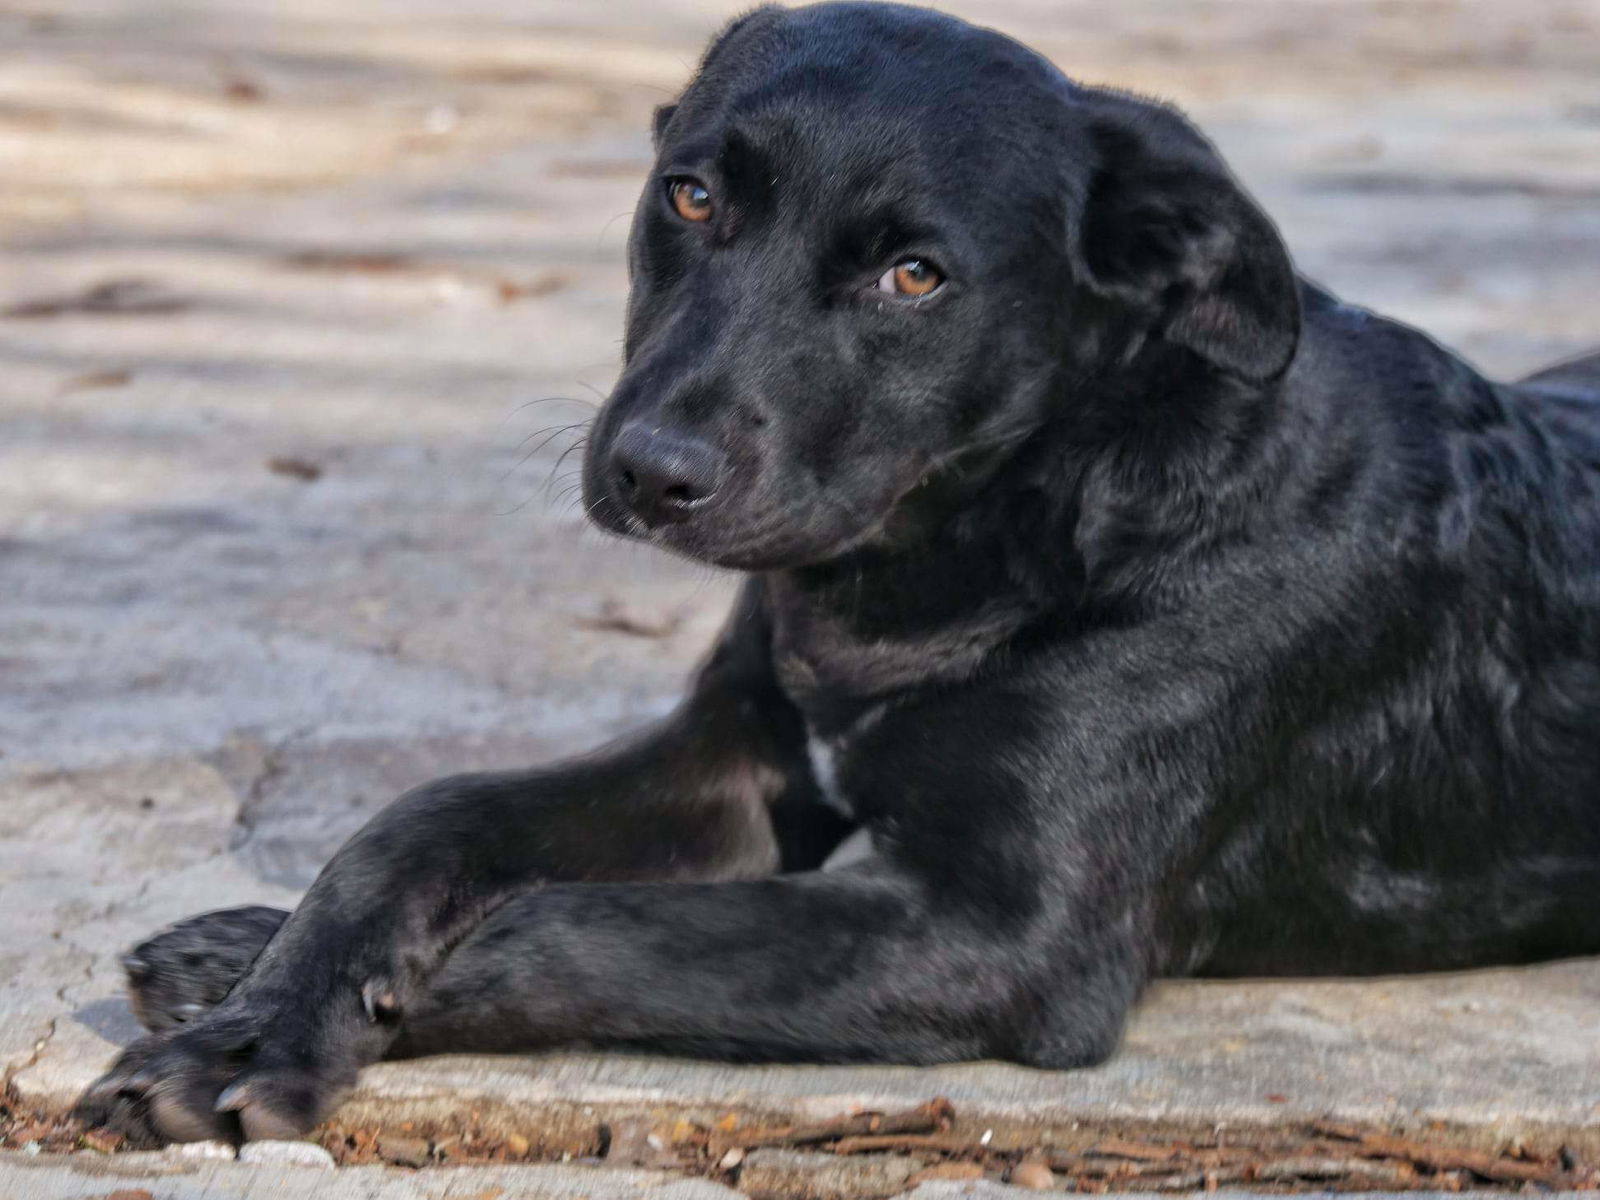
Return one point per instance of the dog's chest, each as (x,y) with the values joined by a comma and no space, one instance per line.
(848,684)
(829,755)
(836,697)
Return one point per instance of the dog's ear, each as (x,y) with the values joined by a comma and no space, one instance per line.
(743,23)
(735,40)
(1167,232)
(659,120)
(717,50)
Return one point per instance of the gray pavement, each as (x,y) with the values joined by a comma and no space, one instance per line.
(160,1177)
(168,1177)
(284,527)
(165,1177)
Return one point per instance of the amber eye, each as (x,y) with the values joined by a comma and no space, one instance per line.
(913,277)
(690,200)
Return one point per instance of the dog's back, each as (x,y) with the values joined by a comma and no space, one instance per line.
(1440,806)
(1577,378)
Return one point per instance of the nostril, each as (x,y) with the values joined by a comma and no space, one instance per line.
(629,481)
(679,493)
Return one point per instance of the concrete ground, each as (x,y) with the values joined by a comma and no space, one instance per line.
(152,1176)
(300,305)
(157,1180)
(56,1181)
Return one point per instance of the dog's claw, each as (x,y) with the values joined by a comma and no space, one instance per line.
(258,1119)
(278,1104)
(233,1097)
(379,1000)
(178,1123)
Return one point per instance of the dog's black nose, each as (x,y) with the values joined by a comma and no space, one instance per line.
(663,477)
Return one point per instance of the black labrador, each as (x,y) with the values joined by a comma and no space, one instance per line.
(1154,611)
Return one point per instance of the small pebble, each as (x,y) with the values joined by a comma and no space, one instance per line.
(303,1154)
(1033,1173)
(442,118)
(517,1144)
(406,1151)
(202,1150)
(731,1159)
(636,1143)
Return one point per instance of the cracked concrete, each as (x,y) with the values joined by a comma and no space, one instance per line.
(292,530)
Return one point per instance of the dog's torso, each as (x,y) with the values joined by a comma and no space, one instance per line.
(1362,722)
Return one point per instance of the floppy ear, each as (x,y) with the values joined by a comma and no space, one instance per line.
(659,120)
(718,49)
(743,23)
(1167,232)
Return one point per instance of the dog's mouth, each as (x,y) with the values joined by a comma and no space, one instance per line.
(752,519)
(748,538)
(757,525)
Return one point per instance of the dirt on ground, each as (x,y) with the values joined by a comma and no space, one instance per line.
(929,1142)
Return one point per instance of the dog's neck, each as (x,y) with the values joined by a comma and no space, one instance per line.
(1078,526)
(845,638)
(957,572)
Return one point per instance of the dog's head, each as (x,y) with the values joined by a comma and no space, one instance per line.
(880,249)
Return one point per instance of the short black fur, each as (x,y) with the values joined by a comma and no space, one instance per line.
(1151,609)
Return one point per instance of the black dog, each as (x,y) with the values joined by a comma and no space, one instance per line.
(1153,610)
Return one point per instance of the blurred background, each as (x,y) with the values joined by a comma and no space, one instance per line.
(301,303)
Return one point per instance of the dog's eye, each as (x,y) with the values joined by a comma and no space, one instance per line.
(690,200)
(913,277)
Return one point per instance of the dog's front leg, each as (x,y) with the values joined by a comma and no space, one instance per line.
(712,793)
(862,965)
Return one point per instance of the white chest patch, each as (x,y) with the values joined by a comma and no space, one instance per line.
(822,766)
(824,754)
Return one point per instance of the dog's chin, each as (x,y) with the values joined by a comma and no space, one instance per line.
(772,550)
(714,542)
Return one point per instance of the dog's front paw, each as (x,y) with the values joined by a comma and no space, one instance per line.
(185,970)
(226,1077)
